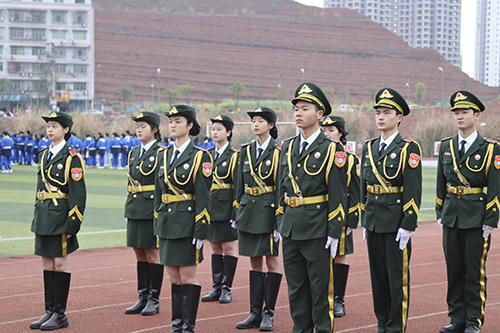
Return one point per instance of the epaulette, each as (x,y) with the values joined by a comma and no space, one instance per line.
(72,152)
(491,141)
(448,138)
(246,144)
(236,150)
(372,139)
(409,140)
(279,147)
(200,148)
(290,138)
(44,149)
(211,148)
(161,148)
(334,140)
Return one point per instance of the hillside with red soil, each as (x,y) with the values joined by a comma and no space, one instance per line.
(211,44)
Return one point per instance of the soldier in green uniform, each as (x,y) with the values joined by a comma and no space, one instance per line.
(256,202)
(389,164)
(184,174)
(59,208)
(334,127)
(467,208)
(142,167)
(312,212)
(221,236)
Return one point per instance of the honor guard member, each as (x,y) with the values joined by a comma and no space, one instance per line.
(59,208)
(221,236)
(256,202)
(185,173)
(312,210)
(467,206)
(389,164)
(139,212)
(334,127)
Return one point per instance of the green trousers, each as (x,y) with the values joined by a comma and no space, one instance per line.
(465,251)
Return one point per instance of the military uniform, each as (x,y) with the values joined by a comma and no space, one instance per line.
(467,193)
(139,212)
(312,207)
(386,208)
(60,204)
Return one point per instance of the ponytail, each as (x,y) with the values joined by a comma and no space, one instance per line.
(274,132)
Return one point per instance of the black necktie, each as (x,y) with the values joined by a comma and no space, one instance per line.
(259,152)
(382,148)
(176,154)
(216,156)
(303,147)
(143,151)
(49,156)
(461,152)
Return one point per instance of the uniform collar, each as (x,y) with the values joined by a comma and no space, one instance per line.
(264,145)
(310,139)
(147,146)
(389,139)
(221,151)
(181,148)
(469,140)
(56,149)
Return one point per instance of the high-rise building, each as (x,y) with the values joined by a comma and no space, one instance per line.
(431,24)
(45,39)
(487,64)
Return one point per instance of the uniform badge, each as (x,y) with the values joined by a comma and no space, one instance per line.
(414,159)
(497,161)
(131,158)
(477,157)
(447,153)
(151,159)
(358,169)
(186,166)
(340,158)
(393,155)
(318,154)
(76,174)
(246,162)
(207,169)
(162,167)
(224,163)
(268,162)
(59,166)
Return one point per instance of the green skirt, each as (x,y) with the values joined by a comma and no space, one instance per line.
(179,252)
(55,246)
(140,234)
(221,232)
(346,244)
(256,245)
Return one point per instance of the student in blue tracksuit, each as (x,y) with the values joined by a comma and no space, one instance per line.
(134,142)
(124,152)
(21,148)
(28,154)
(115,151)
(101,150)
(76,142)
(35,149)
(92,152)
(43,143)
(7,146)
(108,150)
(86,144)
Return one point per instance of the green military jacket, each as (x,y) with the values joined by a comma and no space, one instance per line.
(480,166)
(256,214)
(400,166)
(222,190)
(353,190)
(64,175)
(318,172)
(190,176)
(141,182)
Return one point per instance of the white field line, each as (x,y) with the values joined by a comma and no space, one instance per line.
(80,233)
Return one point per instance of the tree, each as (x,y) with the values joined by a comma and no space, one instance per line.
(420,91)
(6,89)
(126,93)
(237,88)
(329,92)
(372,90)
(186,90)
(344,95)
(171,95)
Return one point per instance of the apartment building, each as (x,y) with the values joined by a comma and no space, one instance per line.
(45,39)
(487,53)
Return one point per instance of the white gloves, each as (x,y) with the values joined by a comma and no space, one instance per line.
(332,243)
(439,222)
(233,223)
(276,236)
(487,230)
(198,243)
(403,237)
(364,234)
(348,231)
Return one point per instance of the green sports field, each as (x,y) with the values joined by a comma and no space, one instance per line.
(104,224)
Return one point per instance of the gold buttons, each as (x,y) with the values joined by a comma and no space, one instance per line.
(137,167)
(460,166)
(391,165)
(152,196)
(376,197)
(481,198)
(168,177)
(189,208)
(296,178)
(378,163)
(149,165)
(135,195)
(298,165)
(314,166)
(272,205)
(46,171)
(318,207)
(459,197)
(57,175)
(169,210)
(253,201)
(398,201)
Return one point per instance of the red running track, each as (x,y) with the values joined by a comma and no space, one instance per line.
(103,285)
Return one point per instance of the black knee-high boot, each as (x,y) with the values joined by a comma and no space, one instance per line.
(142,288)
(340,283)
(176,308)
(230,263)
(48,286)
(58,318)
(217,276)
(190,302)
(273,283)
(257,281)
(155,281)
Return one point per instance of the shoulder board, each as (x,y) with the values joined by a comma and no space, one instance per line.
(290,138)
(246,144)
(73,152)
(372,139)
(162,148)
(199,148)
(409,140)
(209,149)
(44,149)
(334,140)
(448,138)
(491,141)
(279,147)
(236,150)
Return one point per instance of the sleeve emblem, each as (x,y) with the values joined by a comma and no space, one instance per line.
(340,158)
(358,169)
(414,159)
(207,169)
(497,161)
(76,174)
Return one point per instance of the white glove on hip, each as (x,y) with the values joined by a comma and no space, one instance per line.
(198,243)
(439,222)
(233,223)
(332,243)
(276,236)
(487,230)
(403,237)
(364,234)
(348,231)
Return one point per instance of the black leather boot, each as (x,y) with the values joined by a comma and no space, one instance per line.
(190,302)
(257,280)
(176,308)
(273,283)
(142,288)
(155,281)
(217,275)
(48,287)
(58,318)
(341,273)
(230,263)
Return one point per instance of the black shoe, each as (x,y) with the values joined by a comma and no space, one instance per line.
(156,279)
(273,282)
(190,302)
(58,319)
(339,308)
(48,286)
(217,276)
(257,282)
(230,263)
(472,329)
(341,272)
(142,288)
(176,308)
(452,328)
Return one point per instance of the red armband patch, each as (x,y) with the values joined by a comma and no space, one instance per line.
(340,158)
(76,174)
(414,159)
(207,169)
(497,161)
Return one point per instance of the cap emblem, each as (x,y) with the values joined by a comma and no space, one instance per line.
(173,111)
(258,110)
(53,115)
(218,118)
(386,94)
(140,115)
(329,121)
(305,90)
(459,97)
